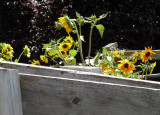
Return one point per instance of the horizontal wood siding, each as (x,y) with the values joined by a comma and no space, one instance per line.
(73,74)
(44,95)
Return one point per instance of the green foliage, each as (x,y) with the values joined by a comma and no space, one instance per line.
(104,51)
(53,50)
(6,52)
(70,24)
(72,53)
(118,64)
(80,20)
(100,28)
(93,18)
(75,24)
(45,46)
(58,25)
(102,16)
(96,58)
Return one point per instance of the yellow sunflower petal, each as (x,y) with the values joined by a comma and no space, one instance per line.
(65,46)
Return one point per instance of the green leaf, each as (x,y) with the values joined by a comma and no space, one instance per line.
(59,40)
(70,24)
(96,58)
(1,46)
(78,15)
(104,51)
(100,28)
(93,18)
(73,53)
(102,16)
(52,43)
(45,46)
(80,20)
(58,25)
(53,50)
(74,61)
(16,60)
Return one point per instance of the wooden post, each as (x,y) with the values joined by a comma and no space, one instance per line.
(10,94)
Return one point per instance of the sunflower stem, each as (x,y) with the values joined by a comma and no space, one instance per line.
(20,56)
(64,61)
(90,39)
(80,44)
(146,75)
(79,30)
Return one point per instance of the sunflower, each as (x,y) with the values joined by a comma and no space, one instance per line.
(7,51)
(135,57)
(36,62)
(126,67)
(27,51)
(108,71)
(44,59)
(6,54)
(64,53)
(65,46)
(146,55)
(118,55)
(100,63)
(8,47)
(62,20)
(69,39)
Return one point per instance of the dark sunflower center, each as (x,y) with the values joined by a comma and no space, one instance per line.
(9,49)
(126,65)
(65,46)
(62,52)
(148,54)
(4,52)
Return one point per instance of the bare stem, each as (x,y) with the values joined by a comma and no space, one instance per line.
(80,44)
(90,41)
(20,56)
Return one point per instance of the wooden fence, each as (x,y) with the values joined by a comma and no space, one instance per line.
(10,93)
(56,91)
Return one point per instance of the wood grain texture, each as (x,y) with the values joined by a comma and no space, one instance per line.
(44,95)
(10,94)
(156,56)
(73,74)
(84,68)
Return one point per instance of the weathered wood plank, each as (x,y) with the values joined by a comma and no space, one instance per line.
(44,95)
(154,57)
(73,74)
(84,68)
(10,94)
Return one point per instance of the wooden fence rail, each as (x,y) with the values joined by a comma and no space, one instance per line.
(48,95)
(56,91)
(73,74)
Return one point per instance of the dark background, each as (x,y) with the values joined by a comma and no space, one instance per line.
(134,24)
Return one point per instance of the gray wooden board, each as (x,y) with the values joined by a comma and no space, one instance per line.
(84,68)
(66,73)
(156,56)
(44,95)
(10,94)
